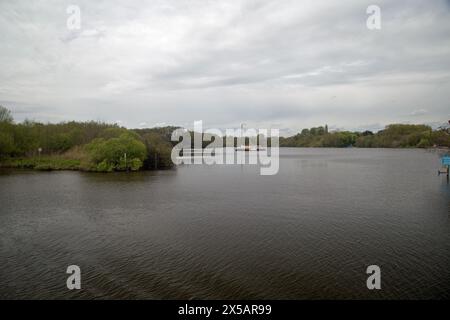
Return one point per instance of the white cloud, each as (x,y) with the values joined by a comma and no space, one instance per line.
(419,112)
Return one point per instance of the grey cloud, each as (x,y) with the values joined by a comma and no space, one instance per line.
(289,63)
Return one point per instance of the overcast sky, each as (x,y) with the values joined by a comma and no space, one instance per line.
(284,64)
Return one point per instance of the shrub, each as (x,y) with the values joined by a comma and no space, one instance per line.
(135,164)
(104,166)
(109,154)
(424,143)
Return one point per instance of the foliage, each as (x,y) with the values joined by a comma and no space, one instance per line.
(121,153)
(46,163)
(320,137)
(398,136)
(5,115)
(158,151)
(102,147)
(393,136)
(93,145)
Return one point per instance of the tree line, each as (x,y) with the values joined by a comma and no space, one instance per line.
(97,146)
(393,136)
(90,146)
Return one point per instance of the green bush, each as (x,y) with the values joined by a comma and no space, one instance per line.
(159,151)
(424,143)
(135,164)
(104,166)
(6,144)
(109,154)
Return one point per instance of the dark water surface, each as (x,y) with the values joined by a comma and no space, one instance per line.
(227,232)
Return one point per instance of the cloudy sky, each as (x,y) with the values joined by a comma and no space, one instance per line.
(284,64)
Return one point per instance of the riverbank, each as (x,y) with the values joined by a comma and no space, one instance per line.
(63,162)
(58,163)
(44,163)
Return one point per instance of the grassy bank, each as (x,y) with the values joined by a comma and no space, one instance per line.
(44,163)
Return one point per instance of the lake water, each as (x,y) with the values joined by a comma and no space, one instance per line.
(220,232)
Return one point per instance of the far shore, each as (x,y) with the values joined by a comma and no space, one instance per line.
(60,162)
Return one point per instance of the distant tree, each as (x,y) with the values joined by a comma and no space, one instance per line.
(158,151)
(5,115)
(6,144)
(367,133)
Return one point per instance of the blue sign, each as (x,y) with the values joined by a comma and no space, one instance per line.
(446,161)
